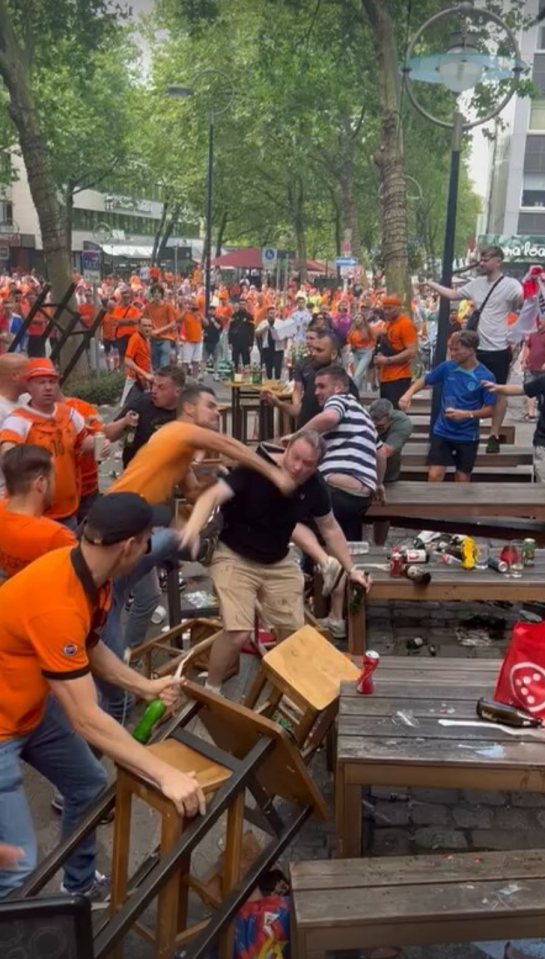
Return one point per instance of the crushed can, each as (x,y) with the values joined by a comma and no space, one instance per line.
(365,683)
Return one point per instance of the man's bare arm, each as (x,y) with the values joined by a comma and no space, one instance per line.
(227,446)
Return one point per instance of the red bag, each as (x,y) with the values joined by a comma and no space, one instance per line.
(521,682)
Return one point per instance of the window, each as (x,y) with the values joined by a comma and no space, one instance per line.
(541,39)
(538,73)
(537,116)
(532,224)
(534,157)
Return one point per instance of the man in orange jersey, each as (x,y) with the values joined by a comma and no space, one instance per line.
(87,309)
(163,319)
(36,342)
(165,461)
(126,316)
(57,428)
(395,352)
(108,332)
(138,359)
(51,614)
(192,339)
(25,533)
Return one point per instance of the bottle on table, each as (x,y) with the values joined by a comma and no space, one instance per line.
(153,713)
(507,715)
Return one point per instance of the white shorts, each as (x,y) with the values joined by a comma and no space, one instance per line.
(191,352)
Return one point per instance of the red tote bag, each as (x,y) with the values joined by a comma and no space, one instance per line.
(521,682)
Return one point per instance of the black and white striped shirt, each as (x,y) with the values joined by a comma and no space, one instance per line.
(351,446)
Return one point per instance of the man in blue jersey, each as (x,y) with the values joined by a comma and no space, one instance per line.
(464,402)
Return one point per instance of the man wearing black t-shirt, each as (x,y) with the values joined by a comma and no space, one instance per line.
(252,563)
(304,405)
(532,388)
(154,409)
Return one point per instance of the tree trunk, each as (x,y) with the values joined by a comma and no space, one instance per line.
(69,215)
(221,232)
(296,198)
(158,238)
(22,109)
(390,159)
(168,231)
(350,219)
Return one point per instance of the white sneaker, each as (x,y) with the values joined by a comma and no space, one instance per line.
(98,891)
(332,573)
(335,627)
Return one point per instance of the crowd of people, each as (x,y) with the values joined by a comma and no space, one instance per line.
(71,554)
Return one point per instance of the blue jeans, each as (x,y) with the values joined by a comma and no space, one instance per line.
(143,582)
(362,360)
(160,353)
(65,759)
(71,522)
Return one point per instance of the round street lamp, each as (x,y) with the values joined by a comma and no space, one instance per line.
(220,93)
(462,67)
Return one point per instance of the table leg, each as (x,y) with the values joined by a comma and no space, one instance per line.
(235,413)
(356,624)
(348,812)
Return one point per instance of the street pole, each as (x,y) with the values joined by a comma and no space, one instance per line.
(209,214)
(176,259)
(443,323)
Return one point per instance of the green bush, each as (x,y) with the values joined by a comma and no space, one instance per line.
(100,389)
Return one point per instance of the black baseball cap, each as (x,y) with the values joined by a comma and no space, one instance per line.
(120,516)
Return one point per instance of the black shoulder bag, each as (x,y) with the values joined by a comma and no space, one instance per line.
(472,322)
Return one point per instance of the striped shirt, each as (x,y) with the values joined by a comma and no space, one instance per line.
(351,446)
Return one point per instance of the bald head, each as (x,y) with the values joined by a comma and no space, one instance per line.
(13,367)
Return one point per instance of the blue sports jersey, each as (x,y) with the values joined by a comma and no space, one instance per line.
(462,390)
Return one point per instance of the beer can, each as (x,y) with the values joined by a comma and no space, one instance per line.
(529,552)
(396,563)
(365,683)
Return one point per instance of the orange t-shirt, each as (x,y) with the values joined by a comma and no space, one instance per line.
(87,311)
(61,434)
(127,318)
(108,326)
(400,334)
(360,342)
(87,464)
(192,327)
(161,314)
(139,351)
(25,538)
(50,613)
(224,313)
(162,463)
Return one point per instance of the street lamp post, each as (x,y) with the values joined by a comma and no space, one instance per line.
(460,69)
(215,109)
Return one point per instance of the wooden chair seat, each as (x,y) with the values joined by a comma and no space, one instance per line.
(302,674)
(210,775)
(415,900)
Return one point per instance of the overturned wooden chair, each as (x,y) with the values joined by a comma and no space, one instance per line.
(300,682)
(248,752)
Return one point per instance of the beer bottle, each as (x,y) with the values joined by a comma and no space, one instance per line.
(154,712)
(508,715)
(418,575)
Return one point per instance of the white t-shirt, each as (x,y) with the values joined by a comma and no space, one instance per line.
(7,407)
(505,299)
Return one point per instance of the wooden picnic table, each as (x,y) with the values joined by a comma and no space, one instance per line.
(480,474)
(377,747)
(451,500)
(417,455)
(246,397)
(448,584)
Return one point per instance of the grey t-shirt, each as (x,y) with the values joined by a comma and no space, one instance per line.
(505,299)
(398,433)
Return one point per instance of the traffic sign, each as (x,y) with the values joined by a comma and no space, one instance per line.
(269,255)
(346,262)
(90,262)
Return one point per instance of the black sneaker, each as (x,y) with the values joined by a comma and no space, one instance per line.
(493,445)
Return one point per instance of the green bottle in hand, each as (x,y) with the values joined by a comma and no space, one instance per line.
(154,712)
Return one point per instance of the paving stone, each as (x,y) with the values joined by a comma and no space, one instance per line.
(391,842)
(429,814)
(536,800)
(473,817)
(433,839)
(484,798)
(448,796)
(505,839)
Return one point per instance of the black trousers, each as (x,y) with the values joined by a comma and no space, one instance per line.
(273,362)
(241,354)
(349,510)
(394,391)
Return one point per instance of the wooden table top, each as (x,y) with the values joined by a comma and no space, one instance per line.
(448,581)
(461,499)
(271,386)
(405,721)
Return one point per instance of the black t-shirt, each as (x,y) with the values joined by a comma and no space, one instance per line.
(537,388)
(305,373)
(151,419)
(259,520)
(212,332)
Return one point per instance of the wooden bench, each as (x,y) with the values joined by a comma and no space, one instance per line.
(415,900)
(481,474)
(421,427)
(417,455)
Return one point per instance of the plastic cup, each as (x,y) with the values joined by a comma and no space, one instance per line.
(482,555)
(516,566)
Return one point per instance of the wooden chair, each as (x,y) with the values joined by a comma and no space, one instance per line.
(170,644)
(247,751)
(302,678)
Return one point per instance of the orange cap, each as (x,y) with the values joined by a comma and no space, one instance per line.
(42,367)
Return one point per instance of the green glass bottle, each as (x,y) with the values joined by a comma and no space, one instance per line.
(154,712)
